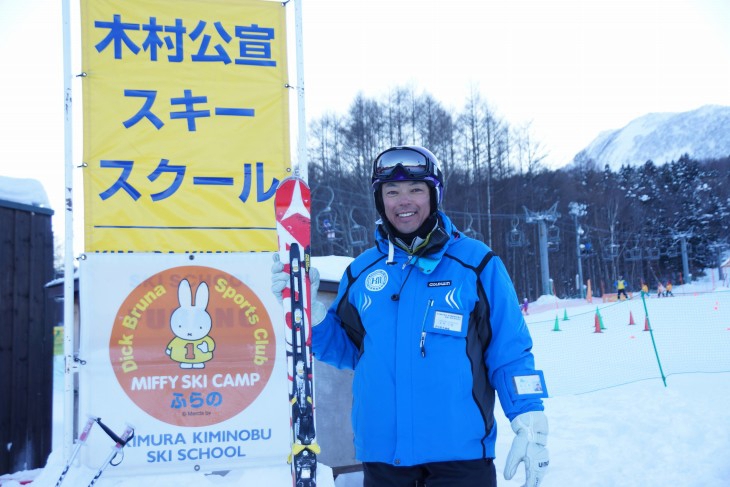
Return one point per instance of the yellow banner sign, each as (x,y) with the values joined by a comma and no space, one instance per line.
(186,124)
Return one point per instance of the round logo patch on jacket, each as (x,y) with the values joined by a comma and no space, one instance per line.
(376,280)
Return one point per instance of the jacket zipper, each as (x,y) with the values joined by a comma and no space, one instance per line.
(423,329)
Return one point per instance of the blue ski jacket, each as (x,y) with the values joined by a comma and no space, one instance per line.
(430,339)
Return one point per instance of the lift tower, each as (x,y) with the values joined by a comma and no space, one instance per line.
(540,218)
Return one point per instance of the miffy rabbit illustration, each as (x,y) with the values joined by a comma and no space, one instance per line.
(191,323)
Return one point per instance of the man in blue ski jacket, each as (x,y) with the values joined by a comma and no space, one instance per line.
(430,323)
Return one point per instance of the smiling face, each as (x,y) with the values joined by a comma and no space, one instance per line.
(407,204)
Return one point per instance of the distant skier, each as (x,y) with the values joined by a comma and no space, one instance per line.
(660,290)
(668,292)
(525,304)
(621,287)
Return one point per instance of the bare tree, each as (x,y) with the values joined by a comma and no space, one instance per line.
(495,169)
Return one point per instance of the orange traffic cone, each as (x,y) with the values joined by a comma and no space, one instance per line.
(631,318)
(646,324)
(598,325)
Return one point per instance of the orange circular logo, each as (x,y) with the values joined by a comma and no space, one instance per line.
(192,346)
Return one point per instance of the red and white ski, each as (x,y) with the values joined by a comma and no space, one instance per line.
(293,226)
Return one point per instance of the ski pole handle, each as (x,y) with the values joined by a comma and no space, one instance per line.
(87,429)
(113,435)
(79,443)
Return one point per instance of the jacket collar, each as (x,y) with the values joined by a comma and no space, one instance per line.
(426,257)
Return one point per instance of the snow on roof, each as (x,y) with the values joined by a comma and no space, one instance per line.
(25,191)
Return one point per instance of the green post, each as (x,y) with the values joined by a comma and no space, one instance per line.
(651,332)
(600,319)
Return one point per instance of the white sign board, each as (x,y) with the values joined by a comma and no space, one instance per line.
(187,348)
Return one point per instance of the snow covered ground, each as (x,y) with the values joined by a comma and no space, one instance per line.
(612,420)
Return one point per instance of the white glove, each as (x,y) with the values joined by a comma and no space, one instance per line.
(280,280)
(319,310)
(529,447)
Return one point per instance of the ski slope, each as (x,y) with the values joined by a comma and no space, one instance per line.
(612,419)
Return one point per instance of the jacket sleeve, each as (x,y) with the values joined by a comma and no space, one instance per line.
(330,342)
(509,353)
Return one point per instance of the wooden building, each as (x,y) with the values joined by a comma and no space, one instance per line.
(26,335)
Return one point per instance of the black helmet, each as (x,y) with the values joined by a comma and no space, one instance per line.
(407,163)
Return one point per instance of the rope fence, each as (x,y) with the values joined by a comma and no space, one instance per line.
(602,345)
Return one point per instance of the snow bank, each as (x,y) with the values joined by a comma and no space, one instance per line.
(331,267)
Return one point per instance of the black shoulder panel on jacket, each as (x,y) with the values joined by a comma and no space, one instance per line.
(348,314)
(479,334)
(479,267)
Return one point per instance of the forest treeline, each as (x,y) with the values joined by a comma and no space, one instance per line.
(634,222)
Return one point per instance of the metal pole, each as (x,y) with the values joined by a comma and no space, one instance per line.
(653,342)
(531,217)
(302,161)
(685,263)
(544,268)
(68,273)
(719,263)
(580,263)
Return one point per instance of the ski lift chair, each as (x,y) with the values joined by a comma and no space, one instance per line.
(358,233)
(553,235)
(633,254)
(610,252)
(672,251)
(652,253)
(327,223)
(516,237)
(586,248)
(326,220)
(470,232)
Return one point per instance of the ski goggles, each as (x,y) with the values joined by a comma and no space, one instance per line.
(410,161)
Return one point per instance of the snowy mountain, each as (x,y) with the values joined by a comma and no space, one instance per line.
(663,137)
